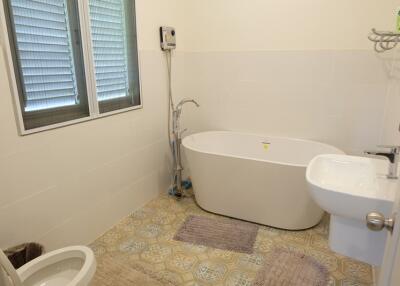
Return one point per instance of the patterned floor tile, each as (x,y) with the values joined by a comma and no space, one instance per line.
(144,241)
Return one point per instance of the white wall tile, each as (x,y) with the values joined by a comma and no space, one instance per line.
(330,96)
(101,215)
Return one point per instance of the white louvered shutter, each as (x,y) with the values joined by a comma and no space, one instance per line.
(109,37)
(44,51)
(49,54)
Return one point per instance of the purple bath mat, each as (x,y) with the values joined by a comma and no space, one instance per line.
(221,233)
(288,268)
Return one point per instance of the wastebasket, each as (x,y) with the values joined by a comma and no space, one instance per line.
(23,253)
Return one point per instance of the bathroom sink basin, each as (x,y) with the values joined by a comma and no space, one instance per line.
(349,188)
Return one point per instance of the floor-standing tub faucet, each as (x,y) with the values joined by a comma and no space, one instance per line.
(392,155)
(177,137)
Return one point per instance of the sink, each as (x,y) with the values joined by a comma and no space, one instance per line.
(349,188)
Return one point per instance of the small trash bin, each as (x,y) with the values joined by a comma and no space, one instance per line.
(23,253)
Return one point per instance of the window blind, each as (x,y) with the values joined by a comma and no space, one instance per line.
(109,37)
(44,50)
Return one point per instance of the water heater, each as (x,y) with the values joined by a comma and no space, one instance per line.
(167,38)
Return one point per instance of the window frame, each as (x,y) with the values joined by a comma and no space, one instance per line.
(89,72)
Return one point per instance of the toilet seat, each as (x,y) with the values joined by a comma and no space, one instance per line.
(70,266)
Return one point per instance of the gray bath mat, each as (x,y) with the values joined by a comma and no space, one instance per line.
(221,233)
(288,268)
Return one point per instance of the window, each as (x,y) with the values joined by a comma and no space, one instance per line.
(117,81)
(49,50)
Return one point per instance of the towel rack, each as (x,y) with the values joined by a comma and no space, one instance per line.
(384,40)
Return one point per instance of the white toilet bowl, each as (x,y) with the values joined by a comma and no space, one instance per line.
(71,266)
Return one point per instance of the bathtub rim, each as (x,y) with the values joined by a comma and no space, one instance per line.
(184,141)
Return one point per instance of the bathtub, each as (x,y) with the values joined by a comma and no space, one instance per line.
(254,178)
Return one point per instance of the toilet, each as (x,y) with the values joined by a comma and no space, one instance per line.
(70,266)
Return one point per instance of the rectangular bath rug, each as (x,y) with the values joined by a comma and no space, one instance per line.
(289,268)
(115,271)
(221,233)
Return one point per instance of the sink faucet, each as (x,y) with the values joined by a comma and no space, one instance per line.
(392,155)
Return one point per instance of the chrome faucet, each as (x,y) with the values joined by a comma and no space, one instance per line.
(178,108)
(392,156)
(177,135)
(177,112)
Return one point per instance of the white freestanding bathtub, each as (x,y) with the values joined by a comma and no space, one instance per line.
(255,178)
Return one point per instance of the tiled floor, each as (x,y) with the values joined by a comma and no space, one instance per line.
(144,242)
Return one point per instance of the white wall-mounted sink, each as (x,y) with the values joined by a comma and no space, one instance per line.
(349,188)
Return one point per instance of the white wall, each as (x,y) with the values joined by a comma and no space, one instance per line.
(290,68)
(237,25)
(69,185)
(390,131)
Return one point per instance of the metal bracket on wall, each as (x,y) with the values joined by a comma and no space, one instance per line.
(384,40)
